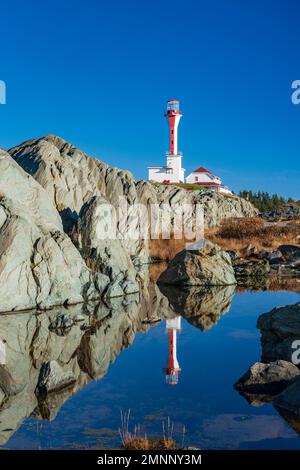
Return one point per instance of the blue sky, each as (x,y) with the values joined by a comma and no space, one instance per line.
(98,73)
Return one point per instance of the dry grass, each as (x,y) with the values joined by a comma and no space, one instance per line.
(156,269)
(144,443)
(164,250)
(240,228)
(236,234)
(233,234)
(134,440)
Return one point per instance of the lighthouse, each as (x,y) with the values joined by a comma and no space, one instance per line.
(172,370)
(172,172)
(173,115)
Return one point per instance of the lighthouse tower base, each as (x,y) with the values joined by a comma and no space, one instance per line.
(172,172)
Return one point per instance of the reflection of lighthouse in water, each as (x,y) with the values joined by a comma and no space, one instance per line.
(173,370)
(2,352)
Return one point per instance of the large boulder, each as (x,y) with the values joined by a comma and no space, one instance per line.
(41,269)
(71,178)
(39,265)
(206,266)
(103,250)
(280,331)
(17,185)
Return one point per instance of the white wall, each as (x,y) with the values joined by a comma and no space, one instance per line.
(202,178)
(175,136)
(158,174)
(174,162)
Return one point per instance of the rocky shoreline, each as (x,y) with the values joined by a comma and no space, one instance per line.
(50,253)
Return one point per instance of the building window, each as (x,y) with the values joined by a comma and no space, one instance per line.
(172,131)
(196,178)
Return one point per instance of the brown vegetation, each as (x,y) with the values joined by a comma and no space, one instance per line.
(156,269)
(236,234)
(144,443)
(135,441)
(166,249)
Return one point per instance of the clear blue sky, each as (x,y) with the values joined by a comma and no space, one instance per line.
(98,73)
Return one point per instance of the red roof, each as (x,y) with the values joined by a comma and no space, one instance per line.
(201,170)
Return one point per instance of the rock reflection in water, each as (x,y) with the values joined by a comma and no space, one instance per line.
(202,307)
(279,331)
(47,356)
(78,343)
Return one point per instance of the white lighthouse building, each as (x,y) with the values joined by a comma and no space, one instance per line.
(172,370)
(172,172)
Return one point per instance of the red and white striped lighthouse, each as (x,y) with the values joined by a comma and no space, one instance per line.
(174,115)
(172,172)
(172,370)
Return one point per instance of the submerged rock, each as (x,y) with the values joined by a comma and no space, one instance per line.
(206,266)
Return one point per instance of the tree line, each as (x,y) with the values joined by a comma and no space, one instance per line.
(264,201)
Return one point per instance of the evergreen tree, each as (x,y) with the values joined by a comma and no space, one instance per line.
(263,201)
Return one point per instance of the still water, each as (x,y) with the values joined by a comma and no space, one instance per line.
(132,376)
